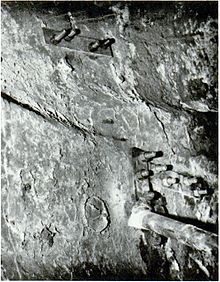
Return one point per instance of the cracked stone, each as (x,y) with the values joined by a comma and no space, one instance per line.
(96,214)
(78,127)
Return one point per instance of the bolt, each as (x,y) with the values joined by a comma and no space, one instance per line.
(57,38)
(189,181)
(107,42)
(72,34)
(94,46)
(149,155)
(159,167)
(71,19)
(169,181)
(144,174)
(198,192)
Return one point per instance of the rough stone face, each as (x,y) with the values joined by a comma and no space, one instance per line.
(49,172)
(77,128)
(96,214)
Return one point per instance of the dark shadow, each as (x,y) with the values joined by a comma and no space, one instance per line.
(205,226)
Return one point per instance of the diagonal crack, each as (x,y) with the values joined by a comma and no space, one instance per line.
(165,133)
(162,125)
(50,115)
(47,114)
(10,99)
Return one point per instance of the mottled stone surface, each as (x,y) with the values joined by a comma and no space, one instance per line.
(71,120)
(49,172)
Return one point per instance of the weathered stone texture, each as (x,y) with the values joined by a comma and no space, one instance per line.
(49,173)
(71,119)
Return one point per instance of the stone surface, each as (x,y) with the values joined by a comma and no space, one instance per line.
(96,214)
(74,125)
(49,172)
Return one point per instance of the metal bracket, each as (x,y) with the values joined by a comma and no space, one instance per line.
(81,39)
(79,43)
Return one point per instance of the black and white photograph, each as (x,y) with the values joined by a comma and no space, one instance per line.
(109,140)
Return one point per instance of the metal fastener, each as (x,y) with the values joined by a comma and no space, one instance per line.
(107,42)
(72,34)
(94,46)
(57,38)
